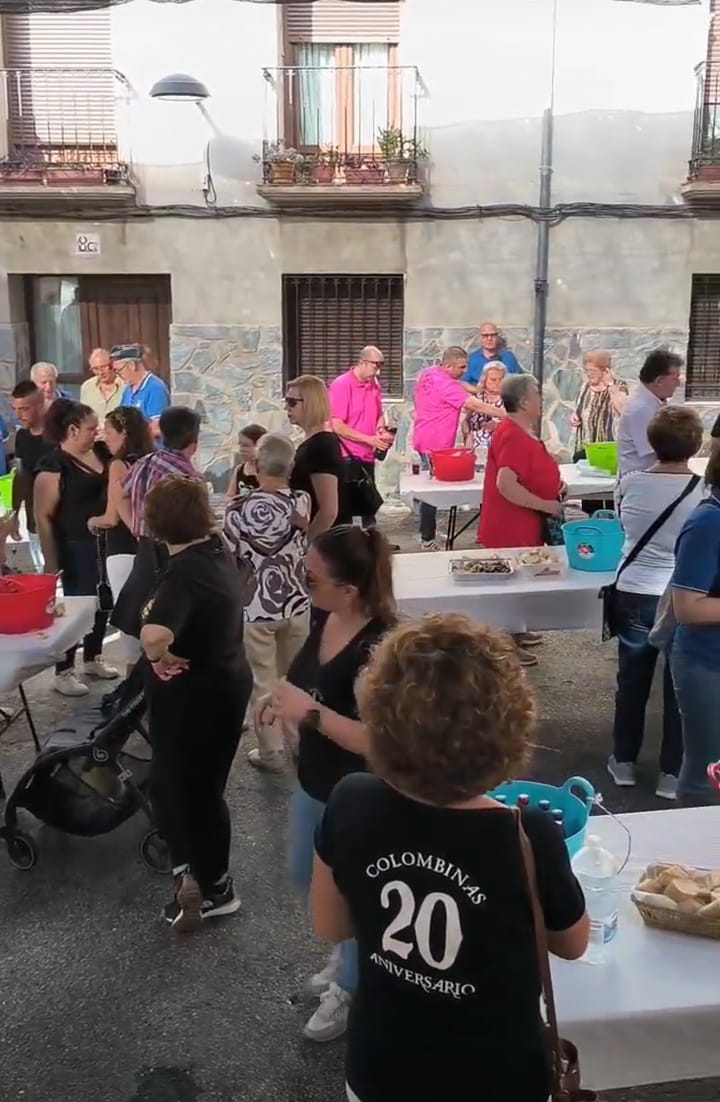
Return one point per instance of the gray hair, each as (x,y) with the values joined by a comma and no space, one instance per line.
(515,390)
(275,455)
(493,365)
(42,365)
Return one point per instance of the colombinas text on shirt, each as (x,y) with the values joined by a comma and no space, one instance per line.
(431,926)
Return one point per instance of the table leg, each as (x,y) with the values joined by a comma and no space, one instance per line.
(452,525)
(28,715)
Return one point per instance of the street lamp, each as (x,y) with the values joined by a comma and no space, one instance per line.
(180,87)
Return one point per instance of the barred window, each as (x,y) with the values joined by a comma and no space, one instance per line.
(703,360)
(327,319)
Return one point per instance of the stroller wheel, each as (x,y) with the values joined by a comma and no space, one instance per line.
(22,852)
(154,853)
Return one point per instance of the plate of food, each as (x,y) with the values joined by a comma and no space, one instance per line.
(487,569)
(541,562)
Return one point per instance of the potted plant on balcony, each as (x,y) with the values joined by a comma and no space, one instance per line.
(363,170)
(325,167)
(399,153)
(280,162)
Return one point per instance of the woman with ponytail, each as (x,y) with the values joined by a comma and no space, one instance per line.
(70,488)
(349,576)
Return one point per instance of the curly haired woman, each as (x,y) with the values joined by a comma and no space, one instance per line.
(426,870)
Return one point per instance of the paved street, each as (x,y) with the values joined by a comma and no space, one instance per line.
(100,1003)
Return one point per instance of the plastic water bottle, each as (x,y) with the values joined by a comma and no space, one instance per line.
(596,870)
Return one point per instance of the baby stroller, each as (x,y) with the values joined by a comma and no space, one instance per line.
(85,781)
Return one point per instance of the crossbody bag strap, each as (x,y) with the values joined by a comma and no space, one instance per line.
(541,947)
(657,524)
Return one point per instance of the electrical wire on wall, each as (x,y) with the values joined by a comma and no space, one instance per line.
(208,185)
(561,212)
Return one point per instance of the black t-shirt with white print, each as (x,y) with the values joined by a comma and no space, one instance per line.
(447,1006)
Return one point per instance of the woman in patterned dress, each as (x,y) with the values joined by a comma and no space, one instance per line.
(601,401)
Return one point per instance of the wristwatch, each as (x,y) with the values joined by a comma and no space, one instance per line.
(312,719)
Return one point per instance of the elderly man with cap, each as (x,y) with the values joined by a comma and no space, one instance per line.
(358,420)
(143,389)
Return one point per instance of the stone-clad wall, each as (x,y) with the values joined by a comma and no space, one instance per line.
(233,374)
(14,362)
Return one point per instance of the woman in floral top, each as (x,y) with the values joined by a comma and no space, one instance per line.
(477,428)
(601,401)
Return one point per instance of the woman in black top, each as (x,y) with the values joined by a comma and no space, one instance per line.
(427,872)
(244,474)
(198,691)
(318,468)
(128,438)
(71,487)
(349,575)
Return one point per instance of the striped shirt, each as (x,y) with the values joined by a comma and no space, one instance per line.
(146,473)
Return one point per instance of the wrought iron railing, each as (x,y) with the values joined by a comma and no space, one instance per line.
(706,123)
(65,125)
(357,124)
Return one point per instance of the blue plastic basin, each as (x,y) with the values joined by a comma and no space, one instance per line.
(575,798)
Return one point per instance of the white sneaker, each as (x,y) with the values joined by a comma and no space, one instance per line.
(667,786)
(101,670)
(318,984)
(330,1019)
(429,545)
(68,683)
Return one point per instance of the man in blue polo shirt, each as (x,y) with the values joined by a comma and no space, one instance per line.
(489,352)
(143,390)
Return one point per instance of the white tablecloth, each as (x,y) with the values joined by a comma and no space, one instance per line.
(22,656)
(447,495)
(522,603)
(651,1012)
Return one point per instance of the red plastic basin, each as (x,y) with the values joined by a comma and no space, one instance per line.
(27,602)
(454,464)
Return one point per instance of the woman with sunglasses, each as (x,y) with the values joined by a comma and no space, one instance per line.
(349,576)
(318,468)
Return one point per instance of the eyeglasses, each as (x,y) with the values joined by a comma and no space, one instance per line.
(292,402)
(484,336)
(375,363)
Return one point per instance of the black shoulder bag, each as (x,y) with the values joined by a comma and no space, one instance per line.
(360,496)
(608,593)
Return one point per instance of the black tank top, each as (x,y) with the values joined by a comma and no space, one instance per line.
(120,540)
(242,479)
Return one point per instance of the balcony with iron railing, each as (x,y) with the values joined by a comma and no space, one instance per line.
(343,135)
(703,182)
(65,130)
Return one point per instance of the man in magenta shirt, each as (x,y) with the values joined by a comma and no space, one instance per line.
(439,399)
(357,418)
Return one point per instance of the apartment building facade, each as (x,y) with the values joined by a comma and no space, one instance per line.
(350,173)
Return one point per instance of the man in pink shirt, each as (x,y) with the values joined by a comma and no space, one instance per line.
(439,399)
(357,418)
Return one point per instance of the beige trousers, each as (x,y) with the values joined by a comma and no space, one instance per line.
(270,649)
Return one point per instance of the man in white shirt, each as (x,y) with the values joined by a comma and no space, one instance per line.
(659,379)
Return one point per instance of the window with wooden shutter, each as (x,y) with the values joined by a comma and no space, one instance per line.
(60,86)
(343,84)
(703,360)
(327,319)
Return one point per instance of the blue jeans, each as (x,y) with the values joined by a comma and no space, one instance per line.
(305,817)
(636,668)
(428,513)
(698,695)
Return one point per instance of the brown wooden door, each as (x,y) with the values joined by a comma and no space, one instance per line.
(124,309)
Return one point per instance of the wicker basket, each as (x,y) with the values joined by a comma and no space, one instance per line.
(680,923)
(662,918)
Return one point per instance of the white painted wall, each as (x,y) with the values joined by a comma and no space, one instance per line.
(624,93)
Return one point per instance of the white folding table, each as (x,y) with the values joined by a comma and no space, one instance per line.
(650,1012)
(24,656)
(570,600)
(459,495)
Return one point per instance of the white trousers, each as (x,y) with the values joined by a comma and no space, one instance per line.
(118,572)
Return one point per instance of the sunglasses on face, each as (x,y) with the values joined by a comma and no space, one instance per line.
(487,336)
(292,402)
(375,363)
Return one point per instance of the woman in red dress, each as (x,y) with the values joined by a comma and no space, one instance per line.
(522,480)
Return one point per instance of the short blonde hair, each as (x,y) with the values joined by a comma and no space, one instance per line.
(600,357)
(314,393)
(493,365)
(436,745)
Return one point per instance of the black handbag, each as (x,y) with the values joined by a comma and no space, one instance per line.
(360,495)
(608,593)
